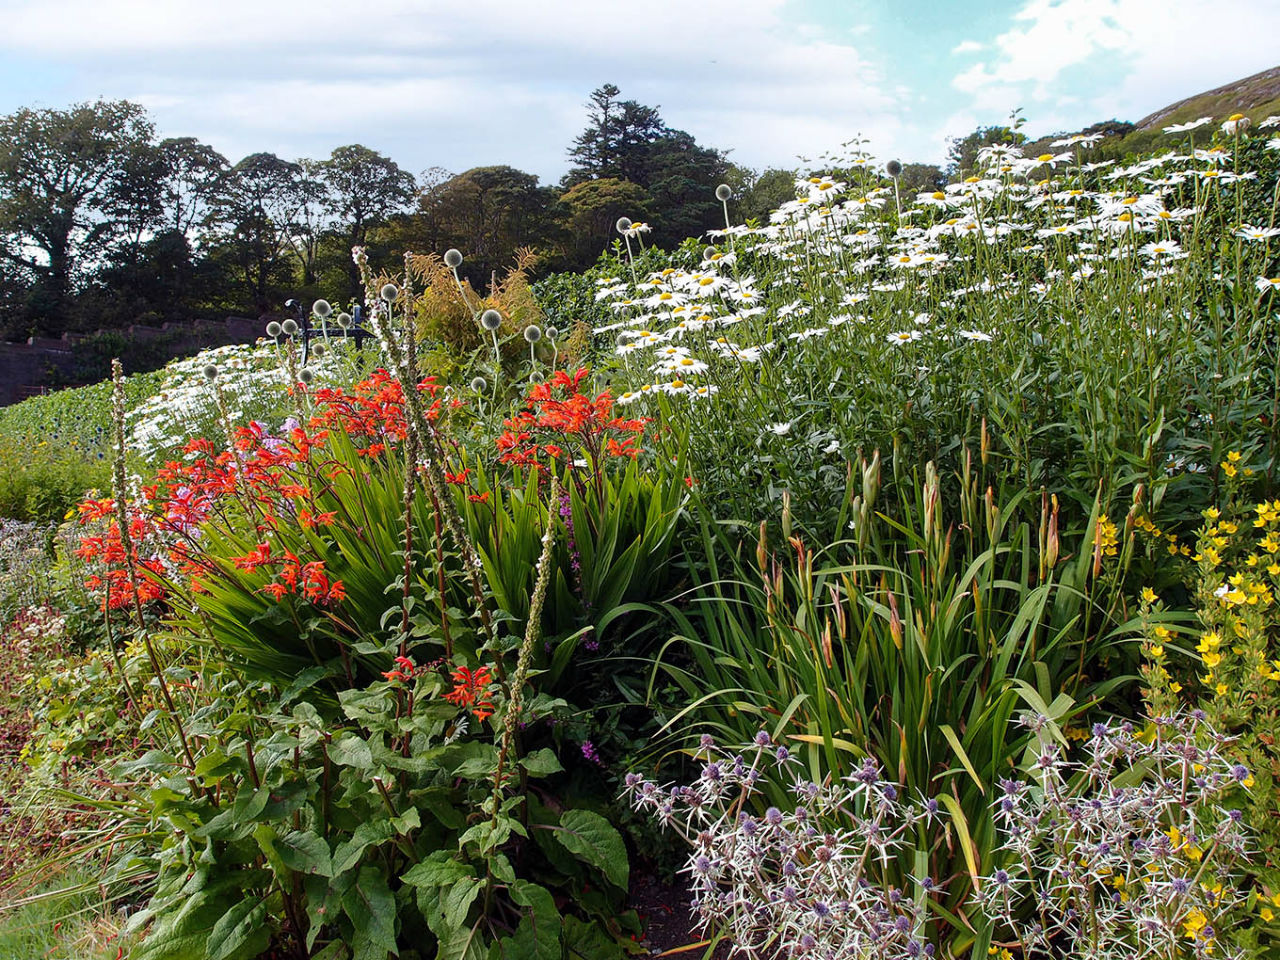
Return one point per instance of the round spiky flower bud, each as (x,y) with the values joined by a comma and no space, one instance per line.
(289,327)
(532,333)
(305,375)
(724,192)
(479,385)
(453,259)
(322,308)
(623,224)
(491,319)
(551,333)
(893,168)
(390,293)
(211,372)
(344,320)
(317,350)
(273,329)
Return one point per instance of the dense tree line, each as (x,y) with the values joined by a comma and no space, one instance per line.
(103,224)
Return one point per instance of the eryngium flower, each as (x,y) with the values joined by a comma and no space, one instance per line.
(344,320)
(812,880)
(211,372)
(273,329)
(893,168)
(322,308)
(491,319)
(1126,850)
(306,375)
(390,293)
(453,259)
(289,327)
(317,350)
(532,333)
(551,333)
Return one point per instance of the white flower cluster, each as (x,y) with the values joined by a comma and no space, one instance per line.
(1022,231)
(185,405)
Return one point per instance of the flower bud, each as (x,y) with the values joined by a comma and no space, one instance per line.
(479,385)
(306,375)
(322,308)
(453,259)
(211,372)
(289,327)
(724,192)
(317,350)
(551,333)
(390,293)
(623,224)
(491,319)
(273,329)
(893,168)
(532,333)
(344,320)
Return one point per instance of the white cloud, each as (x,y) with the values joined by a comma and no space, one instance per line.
(1149,52)
(460,83)
(968,46)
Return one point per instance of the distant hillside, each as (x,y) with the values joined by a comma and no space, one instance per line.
(1257,97)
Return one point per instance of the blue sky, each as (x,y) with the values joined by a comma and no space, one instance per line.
(468,82)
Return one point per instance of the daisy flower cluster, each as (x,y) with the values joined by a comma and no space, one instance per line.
(250,375)
(1125,852)
(807,881)
(849,268)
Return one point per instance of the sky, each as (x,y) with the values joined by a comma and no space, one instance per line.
(463,83)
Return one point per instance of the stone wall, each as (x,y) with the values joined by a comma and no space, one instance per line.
(43,363)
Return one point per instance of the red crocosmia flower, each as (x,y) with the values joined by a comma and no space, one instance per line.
(275,590)
(559,421)
(479,497)
(404,670)
(457,478)
(254,558)
(469,691)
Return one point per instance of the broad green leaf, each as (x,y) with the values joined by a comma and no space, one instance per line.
(372,909)
(541,763)
(592,839)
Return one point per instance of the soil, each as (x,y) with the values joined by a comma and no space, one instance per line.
(669,928)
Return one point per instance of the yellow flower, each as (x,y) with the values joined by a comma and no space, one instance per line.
(1148,595)
(1228,468)
(1267,914)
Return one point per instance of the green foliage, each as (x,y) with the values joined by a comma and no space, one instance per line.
(914,642)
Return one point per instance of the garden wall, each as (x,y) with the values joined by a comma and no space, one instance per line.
(42,364)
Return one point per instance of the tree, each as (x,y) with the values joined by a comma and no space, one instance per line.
(192,174)
(962,152)
(590,211)
(65,177)
(256,212)
(756,195)
(365,189)
(627,141)
(921,177)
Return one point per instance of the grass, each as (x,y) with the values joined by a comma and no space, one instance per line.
(51,923)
